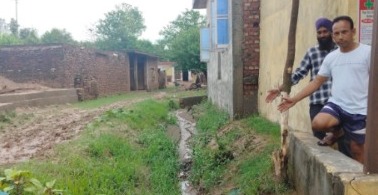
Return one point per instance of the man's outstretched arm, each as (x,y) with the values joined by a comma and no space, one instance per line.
(272,94)
(308,90)
(299,73)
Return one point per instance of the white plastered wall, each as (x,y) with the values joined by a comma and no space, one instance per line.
(275,20)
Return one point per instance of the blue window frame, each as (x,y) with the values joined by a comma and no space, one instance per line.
(213,23)
(205,45)
(222,7)
(222,22)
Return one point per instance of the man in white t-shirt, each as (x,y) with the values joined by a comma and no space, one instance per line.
(349,68)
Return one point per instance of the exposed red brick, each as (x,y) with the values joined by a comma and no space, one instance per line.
(58,66)
(251,44)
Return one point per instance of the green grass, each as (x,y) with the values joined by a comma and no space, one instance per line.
(215,166)
(7,117)
(125,151)
(90,104)
(175,92)
(256,173)
(207,166)
(264,127)
(11,118)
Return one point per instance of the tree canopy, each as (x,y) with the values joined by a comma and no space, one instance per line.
(29,36)
(12,34)
(9,39)
(120,28)
(57,36)
(14,27)
(181,41)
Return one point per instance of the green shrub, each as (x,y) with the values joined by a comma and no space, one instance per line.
(21,182)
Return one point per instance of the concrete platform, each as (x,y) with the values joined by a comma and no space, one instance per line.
(318,170)
(37,98)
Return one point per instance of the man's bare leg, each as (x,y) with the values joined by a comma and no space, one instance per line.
(357,151)
(327,123)
(324,122)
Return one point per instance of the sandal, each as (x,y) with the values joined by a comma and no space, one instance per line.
(328,140)
(332,138)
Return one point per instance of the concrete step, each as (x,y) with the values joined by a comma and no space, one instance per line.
(22,96)
(9,102)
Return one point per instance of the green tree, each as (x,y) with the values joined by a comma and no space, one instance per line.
(161,49)
(145,46)
(88,44)
(57,36)
(120,28)
(9,33)
(181,41)
(185,50)
(9,39)
(4,27)
(29,36)
(14,27)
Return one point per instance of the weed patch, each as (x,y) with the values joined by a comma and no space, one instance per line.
(234,157)
(124,151)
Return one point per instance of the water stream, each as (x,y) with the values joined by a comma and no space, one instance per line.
(187,129)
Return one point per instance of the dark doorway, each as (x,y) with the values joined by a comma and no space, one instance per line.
(138,65)
(132,73)
(185,75)
(141,73)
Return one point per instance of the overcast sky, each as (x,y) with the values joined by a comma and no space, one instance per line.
(77,16)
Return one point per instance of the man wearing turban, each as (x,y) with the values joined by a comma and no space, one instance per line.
(311,63)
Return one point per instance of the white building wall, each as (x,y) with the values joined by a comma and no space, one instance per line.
(220,72)
(275,20)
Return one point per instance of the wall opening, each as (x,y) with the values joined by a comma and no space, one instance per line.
(138,72)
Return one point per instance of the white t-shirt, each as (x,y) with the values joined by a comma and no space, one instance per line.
(350,78)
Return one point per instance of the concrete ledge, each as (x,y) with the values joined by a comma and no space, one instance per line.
(37,98)
(188,102)
(22,96)
(317,170)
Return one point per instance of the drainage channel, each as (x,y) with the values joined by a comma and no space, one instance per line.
(187,129)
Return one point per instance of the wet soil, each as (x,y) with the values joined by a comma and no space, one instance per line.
(35,131)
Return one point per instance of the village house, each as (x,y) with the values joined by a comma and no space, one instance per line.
(169,69)
(230,45)
(95,72)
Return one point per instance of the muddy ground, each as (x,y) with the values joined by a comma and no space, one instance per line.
(33,132)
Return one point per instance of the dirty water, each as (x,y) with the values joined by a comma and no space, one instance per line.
(187,129)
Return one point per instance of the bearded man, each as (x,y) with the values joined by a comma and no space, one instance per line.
(311,63)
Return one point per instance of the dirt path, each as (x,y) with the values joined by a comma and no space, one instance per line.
(47,127)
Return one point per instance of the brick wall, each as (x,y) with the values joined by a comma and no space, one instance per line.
(57,66)
(109,70)
(32,64)
(251,46)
